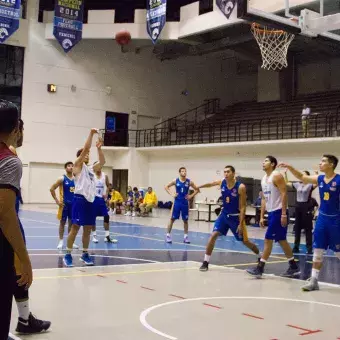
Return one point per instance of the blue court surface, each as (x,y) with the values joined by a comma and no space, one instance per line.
(142,244)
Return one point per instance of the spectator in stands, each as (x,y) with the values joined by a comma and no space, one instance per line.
(116,200)
(149,202)
(129,202)
(257,206)
(306,112)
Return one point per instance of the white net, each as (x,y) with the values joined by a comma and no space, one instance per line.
(274,46)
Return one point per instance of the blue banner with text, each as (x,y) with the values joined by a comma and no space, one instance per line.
(68,22)
(155,18)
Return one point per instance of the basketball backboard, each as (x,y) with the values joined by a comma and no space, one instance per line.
(310,18)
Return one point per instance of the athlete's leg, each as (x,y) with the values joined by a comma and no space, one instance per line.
(185,217)
(174,213)
(62,229)
(71,237)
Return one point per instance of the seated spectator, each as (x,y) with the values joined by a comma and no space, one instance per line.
(129,202)
(116,200)
(136,201)
(149,202)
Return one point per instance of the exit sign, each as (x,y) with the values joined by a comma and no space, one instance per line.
(51,88)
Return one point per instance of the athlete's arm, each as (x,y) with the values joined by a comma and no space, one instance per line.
(243,203)
(280,183)
(210,185)
(80,160)
(196,191)
(101,156)
(300,175)
(11,230)
(53,188)
(167,188)
(107,182)
(288,183)
(263,210)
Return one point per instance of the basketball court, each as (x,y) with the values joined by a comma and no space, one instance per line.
(144,288)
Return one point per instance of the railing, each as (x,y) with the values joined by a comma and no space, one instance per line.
(322,126)
(193,116)
(239,131)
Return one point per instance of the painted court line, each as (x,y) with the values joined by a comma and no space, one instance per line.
(213,306)
(305,331)
(121,281)
(177,296)
(146,312)
(147,288)
(13,337)
(253,316)
(114,273)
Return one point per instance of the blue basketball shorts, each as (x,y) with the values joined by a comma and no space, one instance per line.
(226,222)
(180,208)
(327,232)
(65,212)
(83,213)
(276,231)
(100,208)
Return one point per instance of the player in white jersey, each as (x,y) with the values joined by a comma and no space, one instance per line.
(100,208)
(275,202)
(84,194)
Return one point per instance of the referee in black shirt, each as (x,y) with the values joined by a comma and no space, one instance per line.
(303,213)
(11,239)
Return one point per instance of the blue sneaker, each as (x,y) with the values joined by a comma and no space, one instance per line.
(255,272)
(86,259)
(68,261)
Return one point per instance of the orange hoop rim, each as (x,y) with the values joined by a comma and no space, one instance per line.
(263,30)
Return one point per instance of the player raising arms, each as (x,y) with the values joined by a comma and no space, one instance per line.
(232,216)
(83,213)
(275,202)
(327,227)
(181,203)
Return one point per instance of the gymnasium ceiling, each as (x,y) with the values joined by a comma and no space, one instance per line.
(236,38)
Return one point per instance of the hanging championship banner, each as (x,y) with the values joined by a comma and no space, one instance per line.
(226,6)
(155,18)
(9,18)
(68,22)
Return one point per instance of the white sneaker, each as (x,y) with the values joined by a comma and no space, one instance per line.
(133,214)
(75,246)
(114,212)
(110,240)
(60,244)
(127,213)
(94,239)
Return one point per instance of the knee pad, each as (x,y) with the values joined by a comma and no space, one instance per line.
(20,293)
(106,219)
(318,255)
(337,254)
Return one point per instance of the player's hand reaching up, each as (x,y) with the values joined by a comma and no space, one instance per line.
(284,166)
(99,143)
(94,131)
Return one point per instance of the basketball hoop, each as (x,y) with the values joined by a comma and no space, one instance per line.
(274,46)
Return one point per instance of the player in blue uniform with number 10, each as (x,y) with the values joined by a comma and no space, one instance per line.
(327,227)
(181,203)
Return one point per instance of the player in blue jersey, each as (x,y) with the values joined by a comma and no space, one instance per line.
(232,216)
(327,227)
(66,194)
(181,202)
